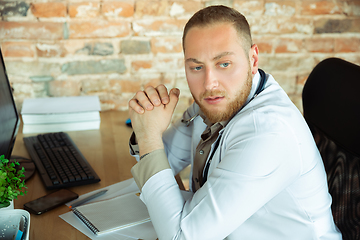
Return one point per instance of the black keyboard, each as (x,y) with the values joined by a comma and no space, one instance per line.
(59,161)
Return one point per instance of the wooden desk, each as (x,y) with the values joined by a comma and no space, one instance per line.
(108,153)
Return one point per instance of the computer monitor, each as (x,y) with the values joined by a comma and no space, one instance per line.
(9,117)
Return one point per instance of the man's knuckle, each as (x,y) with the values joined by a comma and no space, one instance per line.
(138,93)
(149,88)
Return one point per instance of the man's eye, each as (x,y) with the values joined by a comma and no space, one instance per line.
(224,65)
(196,68)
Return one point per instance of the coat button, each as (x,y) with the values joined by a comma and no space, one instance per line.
(201,152)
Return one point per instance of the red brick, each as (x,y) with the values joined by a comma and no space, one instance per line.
(74,46)
(265,45)
(115,87)
(169,79)
(290,62)
(127,85)
(288,46)
(151,8)
(158,27)
(166,45)
(320,7)
(280,8)
(277,25)
(98,29)
(84,9)
(31,30)
(118,9)
(287,80)
(17,49)
(301,78)
(152,82)
(352,8)
(137,65)
(64,88)
(347,45)
(113,103)
(33,68)
(297,100)
(49,9)
(180,8)
(250,8)
(355,27)
(171,63)
(320,45)
(50,50)
(94,86)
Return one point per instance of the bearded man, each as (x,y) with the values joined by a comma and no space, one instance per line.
(255,170)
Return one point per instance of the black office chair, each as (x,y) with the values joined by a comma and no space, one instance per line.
(331,102)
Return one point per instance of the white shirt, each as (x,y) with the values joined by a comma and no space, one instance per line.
(266,179)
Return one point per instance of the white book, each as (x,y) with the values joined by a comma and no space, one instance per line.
(60,109)
(60,117)
(61,127)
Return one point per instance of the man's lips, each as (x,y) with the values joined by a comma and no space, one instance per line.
(214,99)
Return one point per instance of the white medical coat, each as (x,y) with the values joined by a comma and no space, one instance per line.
(266,180)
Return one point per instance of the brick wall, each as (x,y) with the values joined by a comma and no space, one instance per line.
(112,48)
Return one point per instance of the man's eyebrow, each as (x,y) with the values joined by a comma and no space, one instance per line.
(222,55)
(193,60)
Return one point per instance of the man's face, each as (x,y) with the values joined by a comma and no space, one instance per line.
(218,70)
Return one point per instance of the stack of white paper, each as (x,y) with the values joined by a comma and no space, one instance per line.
(143,231)
(113,214)
(58,114)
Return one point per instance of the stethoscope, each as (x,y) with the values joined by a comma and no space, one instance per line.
(259,89)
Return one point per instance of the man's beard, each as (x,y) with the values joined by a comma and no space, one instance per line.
(232,107)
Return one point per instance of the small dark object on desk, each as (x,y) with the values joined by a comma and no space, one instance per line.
(128,122)
(50,201)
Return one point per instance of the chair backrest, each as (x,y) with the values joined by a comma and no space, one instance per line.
(331,104)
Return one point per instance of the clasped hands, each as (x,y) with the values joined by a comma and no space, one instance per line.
(150,113)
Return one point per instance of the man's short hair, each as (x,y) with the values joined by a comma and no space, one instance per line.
(221,14)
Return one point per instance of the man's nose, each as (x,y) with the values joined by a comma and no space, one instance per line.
(211,81)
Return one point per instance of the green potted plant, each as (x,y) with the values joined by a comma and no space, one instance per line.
(11,183)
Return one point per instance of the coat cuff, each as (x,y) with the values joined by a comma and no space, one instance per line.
(149,165)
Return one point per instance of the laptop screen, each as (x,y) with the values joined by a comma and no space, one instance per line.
(9,118)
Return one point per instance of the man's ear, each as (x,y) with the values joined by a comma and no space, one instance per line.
(254,58)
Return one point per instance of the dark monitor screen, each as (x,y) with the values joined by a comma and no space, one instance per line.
(9,117)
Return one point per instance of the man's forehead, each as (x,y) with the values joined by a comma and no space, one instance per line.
(215,33)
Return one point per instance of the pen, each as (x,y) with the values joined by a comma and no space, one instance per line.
(88,198)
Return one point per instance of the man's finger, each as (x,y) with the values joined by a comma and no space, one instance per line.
(153,96)
(143,100)
(174,98)
(133,104)
(163,93)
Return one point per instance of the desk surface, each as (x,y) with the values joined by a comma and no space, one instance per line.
(108,153)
